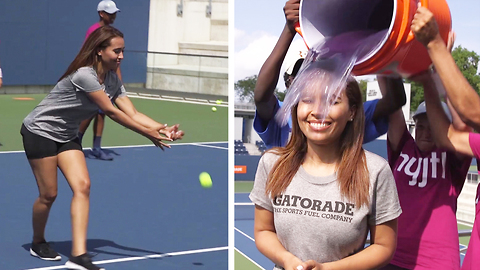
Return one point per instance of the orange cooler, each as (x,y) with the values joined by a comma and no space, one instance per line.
(398,52)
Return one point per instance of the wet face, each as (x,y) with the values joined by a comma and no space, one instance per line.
(108,18)
(113,54)
(423,135)
(323,129)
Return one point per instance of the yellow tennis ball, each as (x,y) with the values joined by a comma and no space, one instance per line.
(219,101)
(214,109)
(205,180)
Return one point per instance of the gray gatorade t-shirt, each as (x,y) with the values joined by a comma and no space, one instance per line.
(59,114)
(314,222)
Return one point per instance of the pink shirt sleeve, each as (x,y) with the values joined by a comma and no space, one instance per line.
(474,140)
(91,29)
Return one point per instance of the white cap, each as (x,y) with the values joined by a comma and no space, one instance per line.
(108,6)
(293,69)
(422,108)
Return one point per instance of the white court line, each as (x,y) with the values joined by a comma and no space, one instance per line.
(244,204)
(244,234)
(176,100)
(254,262)
(154,256)
(142,145)
(209,146)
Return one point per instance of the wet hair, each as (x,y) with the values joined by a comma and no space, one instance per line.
(88,55)
(352,172)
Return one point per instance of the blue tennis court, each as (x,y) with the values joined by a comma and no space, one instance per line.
(244,238)
(147,210)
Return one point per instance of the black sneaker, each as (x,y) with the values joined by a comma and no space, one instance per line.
(82,262)
(44,252)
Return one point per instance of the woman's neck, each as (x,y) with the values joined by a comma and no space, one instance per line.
(322,160)
(101,73)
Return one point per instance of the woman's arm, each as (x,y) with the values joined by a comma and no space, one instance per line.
(378,254)
(104,103)
(125,104)
(396,120)
(268,243)
(457,122)
(265,100)
(463,97)
(393,97)
(444,134)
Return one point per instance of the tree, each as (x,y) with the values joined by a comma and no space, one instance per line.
(363,89)
(416,94)
(467,62)
(244,89)
(280,94)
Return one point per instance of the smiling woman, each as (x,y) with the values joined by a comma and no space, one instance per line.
(50,136)
(324,179)
(322,127)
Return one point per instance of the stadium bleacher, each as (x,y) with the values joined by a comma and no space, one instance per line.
(240,148)
(261,146)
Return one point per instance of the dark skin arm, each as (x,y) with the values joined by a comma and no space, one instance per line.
(445,134)
(463,97)
(396,123)
(393,97)
(264,97)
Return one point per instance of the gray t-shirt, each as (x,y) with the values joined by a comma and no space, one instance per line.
(59,114)
(312,219)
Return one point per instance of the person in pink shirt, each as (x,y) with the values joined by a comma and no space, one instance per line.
(462,141)
(429,180)
(465,101)
(107,11)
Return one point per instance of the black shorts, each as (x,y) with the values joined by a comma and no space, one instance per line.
(37,146)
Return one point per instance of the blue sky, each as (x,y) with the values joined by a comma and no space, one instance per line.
(259,23)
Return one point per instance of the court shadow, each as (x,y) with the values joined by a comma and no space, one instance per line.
(110,152)
(99,246)
(88,153)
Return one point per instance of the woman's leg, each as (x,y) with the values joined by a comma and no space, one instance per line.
(45,171)
(74,168)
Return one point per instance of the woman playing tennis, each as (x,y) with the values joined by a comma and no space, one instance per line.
(50,136)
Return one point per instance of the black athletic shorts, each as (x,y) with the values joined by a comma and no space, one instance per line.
(37,146)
